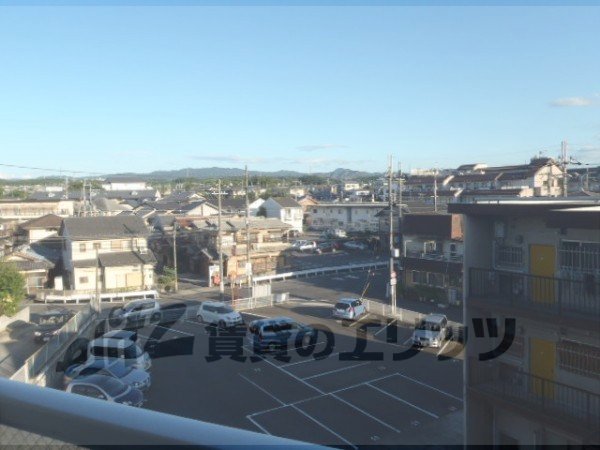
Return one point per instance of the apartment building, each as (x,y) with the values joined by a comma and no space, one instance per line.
(111,251)
(537,262)
(348,216)
(432,256)
(32,209)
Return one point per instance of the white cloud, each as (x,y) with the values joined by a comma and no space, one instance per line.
(314,148)
(575,101)
(587,154)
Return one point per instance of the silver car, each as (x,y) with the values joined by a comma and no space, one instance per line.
(107,388)
(431,331)
(136,378)
(349,309)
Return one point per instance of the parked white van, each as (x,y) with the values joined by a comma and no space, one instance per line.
(431,331)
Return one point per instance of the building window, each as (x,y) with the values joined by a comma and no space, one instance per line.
(83,280)
(82,248)
(580,256)
(579,358)
(116,245)
(97,245)
(508,256)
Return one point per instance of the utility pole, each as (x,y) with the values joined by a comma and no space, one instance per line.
(435,199)
(96,307)
(563,152)
(400,185)
(248,263)
(391,219)
(220,245)
(175,253)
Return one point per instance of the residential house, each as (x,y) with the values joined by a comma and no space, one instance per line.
(349,216)
(432,248)
(197,246)
(39,229)
(34,267)
(124,184)
(111,251)
(285,209)
(532,292)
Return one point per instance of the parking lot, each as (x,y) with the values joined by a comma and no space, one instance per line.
(339,399)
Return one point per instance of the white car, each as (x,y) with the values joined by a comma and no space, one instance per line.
(113,349)
(304,245)
(218,313)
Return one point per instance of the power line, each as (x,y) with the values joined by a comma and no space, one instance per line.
(14,166)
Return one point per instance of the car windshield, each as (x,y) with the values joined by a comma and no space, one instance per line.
(341,305)
(224,309)
(113,387)
(428,326)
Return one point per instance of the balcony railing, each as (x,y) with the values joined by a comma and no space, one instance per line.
(562,296)
(435,256)
(78,420)
(548,397)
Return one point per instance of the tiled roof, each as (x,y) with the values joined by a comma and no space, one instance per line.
(287,202)
(118,259)
(47,221)
(104,227)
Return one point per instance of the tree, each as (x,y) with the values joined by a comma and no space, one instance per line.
(262,212)
(167,279)
(12,289)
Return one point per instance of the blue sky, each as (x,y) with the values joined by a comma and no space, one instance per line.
(141,88)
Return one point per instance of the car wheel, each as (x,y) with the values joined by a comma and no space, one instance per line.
(222,325)
(200,319)
(155,318)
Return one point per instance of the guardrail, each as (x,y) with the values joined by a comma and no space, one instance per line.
(320,271)
(87,296)
(83,421)
(35,364)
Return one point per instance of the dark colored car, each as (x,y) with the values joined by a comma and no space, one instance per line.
(279,332)
(49,324)
(327,247)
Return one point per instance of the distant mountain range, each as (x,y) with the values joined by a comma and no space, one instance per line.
(222,172)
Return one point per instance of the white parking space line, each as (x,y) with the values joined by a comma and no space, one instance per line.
(385,328)
(443,348)
(336,370)
(260,427)
(363,383)
(195,322)
(429,413)
(262,389)
(430,387)
(174,331)
(324,426)
(385,424)
(309,360)
(278,367)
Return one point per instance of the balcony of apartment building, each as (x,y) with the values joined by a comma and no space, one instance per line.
(555,404)
(573,298)
(435,255)
(561,300)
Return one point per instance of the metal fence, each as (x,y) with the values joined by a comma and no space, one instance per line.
(557,295)
(321,271)
(35,364)
(86,296)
